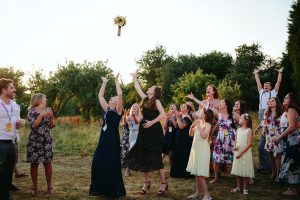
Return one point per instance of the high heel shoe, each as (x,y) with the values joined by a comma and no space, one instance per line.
(162,192)
(144,191)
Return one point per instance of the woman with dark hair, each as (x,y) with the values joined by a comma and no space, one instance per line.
(182,144)
(271,129)
(145,155)
(239,108)
(289,171)
(223,146)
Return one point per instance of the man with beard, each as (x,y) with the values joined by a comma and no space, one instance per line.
(9,122)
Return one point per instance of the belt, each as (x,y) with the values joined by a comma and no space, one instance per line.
(6,141)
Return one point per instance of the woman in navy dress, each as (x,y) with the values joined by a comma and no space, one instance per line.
(106,167)
(182,144)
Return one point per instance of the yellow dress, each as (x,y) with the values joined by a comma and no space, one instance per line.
(243,166)
(199,159)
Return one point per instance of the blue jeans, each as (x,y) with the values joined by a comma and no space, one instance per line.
(264,162)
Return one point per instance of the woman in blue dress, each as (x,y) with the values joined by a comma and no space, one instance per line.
(106,167)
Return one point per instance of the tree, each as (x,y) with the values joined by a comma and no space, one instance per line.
(151,65)
(22,98)
(217,63)
(293,44)
(248,57)
(229,90)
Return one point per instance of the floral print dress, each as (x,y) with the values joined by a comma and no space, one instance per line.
(224,143)
(289,171)
(270,130)
(39,147)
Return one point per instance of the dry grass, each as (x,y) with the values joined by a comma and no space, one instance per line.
(74,147)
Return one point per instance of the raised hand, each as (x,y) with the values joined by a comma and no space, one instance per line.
(190,96)
(255,71)
(104,79)
(280,70)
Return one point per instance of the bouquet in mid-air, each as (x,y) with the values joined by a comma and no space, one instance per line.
(120,21)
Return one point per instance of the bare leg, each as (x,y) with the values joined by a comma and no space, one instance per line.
(278,163)
(16,171)
(163,181)
(48,173)
(202,186)
(34,174)
(246,183)
(196,194)
(127,172)
(273,165)
(216,172)
(238,182)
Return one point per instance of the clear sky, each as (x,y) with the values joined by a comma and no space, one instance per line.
(40,34)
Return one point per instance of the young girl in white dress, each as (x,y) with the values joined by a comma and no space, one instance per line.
(199,159)
(242,165)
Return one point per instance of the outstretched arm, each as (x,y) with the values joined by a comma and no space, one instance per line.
(137,86)
(102,101)
(200,103)
(279,78)
(119,92)
(258,83)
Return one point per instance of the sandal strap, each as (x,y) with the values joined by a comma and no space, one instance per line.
(142,191)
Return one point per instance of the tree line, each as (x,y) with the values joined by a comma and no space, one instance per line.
(73,88)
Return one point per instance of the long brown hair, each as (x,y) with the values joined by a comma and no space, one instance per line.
(293,102)
(151,103)
(216,94)
(278,108)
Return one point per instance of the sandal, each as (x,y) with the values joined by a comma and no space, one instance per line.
(234,190)
(34,191)
(290,192)
(162,192)
(193,196)
(144,191)
(49,190)
(207,198)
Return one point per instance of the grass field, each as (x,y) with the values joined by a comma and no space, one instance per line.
(74,147)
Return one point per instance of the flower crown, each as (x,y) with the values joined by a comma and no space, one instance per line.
(246,116)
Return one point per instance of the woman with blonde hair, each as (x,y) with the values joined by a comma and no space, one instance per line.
(39,147)
(133,121)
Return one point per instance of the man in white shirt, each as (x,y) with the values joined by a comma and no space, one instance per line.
(264,94)
(9,122)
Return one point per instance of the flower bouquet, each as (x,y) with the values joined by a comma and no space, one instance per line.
(120,21)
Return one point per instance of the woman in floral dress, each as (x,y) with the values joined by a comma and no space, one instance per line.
(289,171)
(272,128)
(39,147)
(223,152)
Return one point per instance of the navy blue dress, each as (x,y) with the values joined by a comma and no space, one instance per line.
(106,167)
(169,137)
(181,151)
